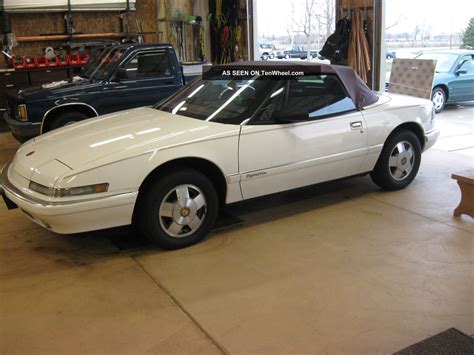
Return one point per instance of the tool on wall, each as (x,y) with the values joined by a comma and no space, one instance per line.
(228,21)
(185,33)
(68,20)
(125,22)
(7,38)
(198,37)
(140,31)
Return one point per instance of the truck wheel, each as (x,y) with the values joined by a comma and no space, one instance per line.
(178,209)
(399,161)
(64,119)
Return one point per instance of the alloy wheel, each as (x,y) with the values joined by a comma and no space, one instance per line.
(402,160)
(438,100)
(182,211)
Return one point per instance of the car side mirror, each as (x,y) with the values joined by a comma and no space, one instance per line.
(289,116)
(460,71)
(121,74)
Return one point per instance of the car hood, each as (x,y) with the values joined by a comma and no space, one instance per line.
(57,89)
(121,135)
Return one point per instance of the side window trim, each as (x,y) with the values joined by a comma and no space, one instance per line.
(253,121)
(316,119)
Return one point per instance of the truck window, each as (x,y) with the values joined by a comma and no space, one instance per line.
(149,65)
(103,65)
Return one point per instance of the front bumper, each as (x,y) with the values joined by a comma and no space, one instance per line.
(430,138)
(71,216)
(22,130)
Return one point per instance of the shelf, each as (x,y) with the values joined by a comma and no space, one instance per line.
(78,36)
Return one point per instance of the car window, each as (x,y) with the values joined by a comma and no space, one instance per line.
(149,65)
(467,57)
(444,61)
(230,100)
(468,65)
(318,95)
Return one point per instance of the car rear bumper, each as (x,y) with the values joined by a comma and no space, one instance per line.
(70,216)
(430,138)
(22,130)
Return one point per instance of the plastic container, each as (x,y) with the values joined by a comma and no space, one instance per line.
(62,61)
(74,59)
(41,61)
(24,62)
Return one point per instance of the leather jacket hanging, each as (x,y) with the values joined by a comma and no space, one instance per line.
(336,47)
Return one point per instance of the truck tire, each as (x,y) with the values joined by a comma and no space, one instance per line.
(64,119)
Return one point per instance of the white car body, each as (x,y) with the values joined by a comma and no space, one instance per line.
(123,148)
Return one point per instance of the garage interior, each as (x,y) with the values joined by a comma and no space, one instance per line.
(339,267)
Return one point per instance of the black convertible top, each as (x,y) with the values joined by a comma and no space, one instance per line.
(355,86)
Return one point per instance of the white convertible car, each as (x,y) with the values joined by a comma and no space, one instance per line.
(244,130)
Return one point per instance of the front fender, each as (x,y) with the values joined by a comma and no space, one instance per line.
(126,174)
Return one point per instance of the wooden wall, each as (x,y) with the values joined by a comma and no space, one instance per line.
(156,17)
(374,11)
(34,24)
(170,10)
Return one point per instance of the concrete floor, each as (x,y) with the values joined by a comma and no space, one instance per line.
(342,267)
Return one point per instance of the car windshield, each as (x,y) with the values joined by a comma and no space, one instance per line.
(103,66)
(266,46)
(231,100)
(444,61)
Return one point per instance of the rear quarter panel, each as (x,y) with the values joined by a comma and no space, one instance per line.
(391,111)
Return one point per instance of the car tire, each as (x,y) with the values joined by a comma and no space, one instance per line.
(287,56)
(65,119)
(438,97)
(178,209)
(264,57)
(399,161)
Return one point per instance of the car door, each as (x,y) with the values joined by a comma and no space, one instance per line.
(150,77)
(462,85)
(277,156)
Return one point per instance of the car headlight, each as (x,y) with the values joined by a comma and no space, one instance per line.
(73,191)
(22,113)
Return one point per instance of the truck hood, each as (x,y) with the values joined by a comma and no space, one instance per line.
(121,135)
(58,89)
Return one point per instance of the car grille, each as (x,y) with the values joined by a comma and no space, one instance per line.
(11,109)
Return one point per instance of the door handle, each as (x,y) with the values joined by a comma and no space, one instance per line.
(356,125)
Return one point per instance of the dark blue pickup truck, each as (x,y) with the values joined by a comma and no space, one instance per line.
(298,52)
(120,78)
